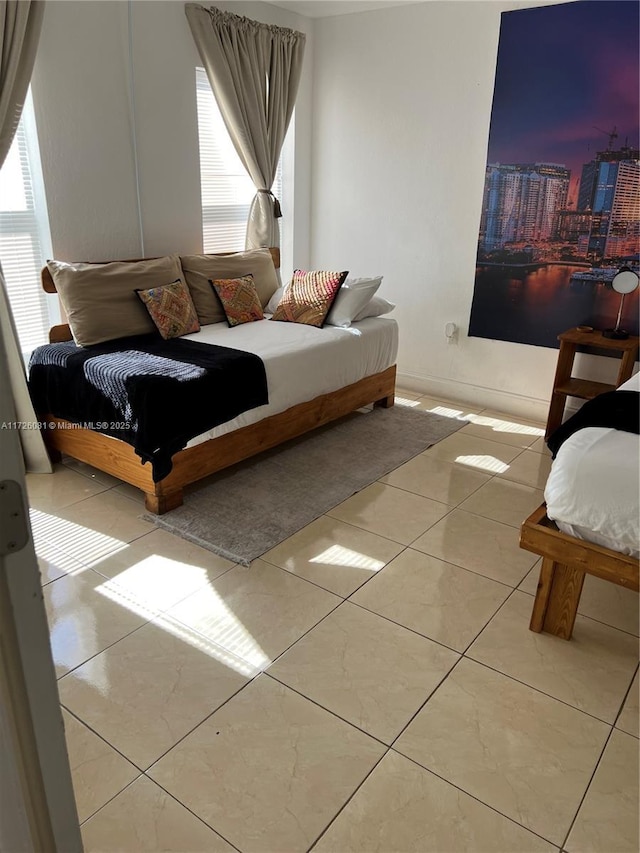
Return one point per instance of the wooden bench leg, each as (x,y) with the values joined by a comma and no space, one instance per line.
(557,598)
(159,504)
(54,455)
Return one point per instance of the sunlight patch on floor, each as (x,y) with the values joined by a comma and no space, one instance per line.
(159,582)
(499,425)
(484,463)
(52,554)
(338,555)
(85,545)
(446,412)
(219,633)
(402,401)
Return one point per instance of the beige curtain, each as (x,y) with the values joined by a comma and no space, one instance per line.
(254,70)
(20,24)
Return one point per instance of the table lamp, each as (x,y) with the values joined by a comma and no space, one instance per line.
(625,281)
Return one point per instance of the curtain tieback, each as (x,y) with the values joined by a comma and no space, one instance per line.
(277,210)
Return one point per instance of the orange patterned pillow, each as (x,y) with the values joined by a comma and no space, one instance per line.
(171,309)
(239,299)
(309,297)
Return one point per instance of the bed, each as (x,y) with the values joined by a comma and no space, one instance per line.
(314,376)
(589,523)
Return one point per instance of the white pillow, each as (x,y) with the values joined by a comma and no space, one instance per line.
(272,304)
(353,296)
(375,308)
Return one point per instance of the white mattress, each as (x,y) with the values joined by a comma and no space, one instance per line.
(302,362)
(593,490)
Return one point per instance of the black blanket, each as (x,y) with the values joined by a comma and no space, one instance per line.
(613,409)
(153,394)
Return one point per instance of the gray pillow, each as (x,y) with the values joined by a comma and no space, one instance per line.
(199,269)
(100,300)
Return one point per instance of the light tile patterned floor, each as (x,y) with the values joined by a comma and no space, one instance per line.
(369,685)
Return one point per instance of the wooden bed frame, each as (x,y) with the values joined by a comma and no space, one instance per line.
(566,561)
(193,463)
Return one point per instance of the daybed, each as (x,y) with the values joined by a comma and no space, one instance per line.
(314,375)
(589,523)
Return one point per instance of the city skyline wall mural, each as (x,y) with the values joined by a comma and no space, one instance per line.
(561,201)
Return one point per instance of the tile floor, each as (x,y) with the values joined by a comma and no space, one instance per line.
(370,684)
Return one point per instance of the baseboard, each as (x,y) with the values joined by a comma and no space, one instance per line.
(475,395)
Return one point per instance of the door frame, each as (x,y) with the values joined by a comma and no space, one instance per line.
(38,812)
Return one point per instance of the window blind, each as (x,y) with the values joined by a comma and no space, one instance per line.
(227,189)
(21,249)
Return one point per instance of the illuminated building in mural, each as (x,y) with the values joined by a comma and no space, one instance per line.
(571,225)
(610,192)
(521,203)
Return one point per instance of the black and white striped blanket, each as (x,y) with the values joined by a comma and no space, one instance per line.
(154,394)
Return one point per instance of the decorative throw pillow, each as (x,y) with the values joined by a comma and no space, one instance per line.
(352,297)
(199,270)
(171,309)
(375,308)
(309,297)
(239,299)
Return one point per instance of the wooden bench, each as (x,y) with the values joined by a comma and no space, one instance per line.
(566,561)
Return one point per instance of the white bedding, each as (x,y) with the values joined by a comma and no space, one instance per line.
(593,490)
(302,362)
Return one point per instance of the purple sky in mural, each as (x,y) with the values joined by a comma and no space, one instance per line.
(544,110)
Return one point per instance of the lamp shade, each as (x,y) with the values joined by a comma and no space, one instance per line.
(625,281)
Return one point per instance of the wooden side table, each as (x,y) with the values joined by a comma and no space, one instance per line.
(565,385)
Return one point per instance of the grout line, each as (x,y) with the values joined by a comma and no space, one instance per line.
(117,794)
(75,714)
(184,806)
(365,529)
(586,790)
(348,800)
(537,690)
(408,491)
(97,654)
(466,568)
(318,704)
(622,704)
(421,708)
(405,627)
(473,797)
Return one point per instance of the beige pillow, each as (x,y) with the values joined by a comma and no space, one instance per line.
(198,269)
(100,300)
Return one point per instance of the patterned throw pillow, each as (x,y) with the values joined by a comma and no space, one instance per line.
(239,299)
(171,309)
(309,297)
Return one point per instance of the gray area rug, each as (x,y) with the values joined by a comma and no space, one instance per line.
(248,509)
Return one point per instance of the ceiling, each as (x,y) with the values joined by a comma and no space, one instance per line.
(326,8)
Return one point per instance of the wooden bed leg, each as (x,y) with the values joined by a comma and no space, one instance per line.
(557,598)
(385,402)
(54,455)
(159,504)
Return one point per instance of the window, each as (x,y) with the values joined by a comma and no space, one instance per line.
(24,235)
(227,189)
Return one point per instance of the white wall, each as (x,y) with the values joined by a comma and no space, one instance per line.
(84,111)
(402,102)
(388,150)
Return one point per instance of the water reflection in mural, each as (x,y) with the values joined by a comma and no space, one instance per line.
(534,306)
